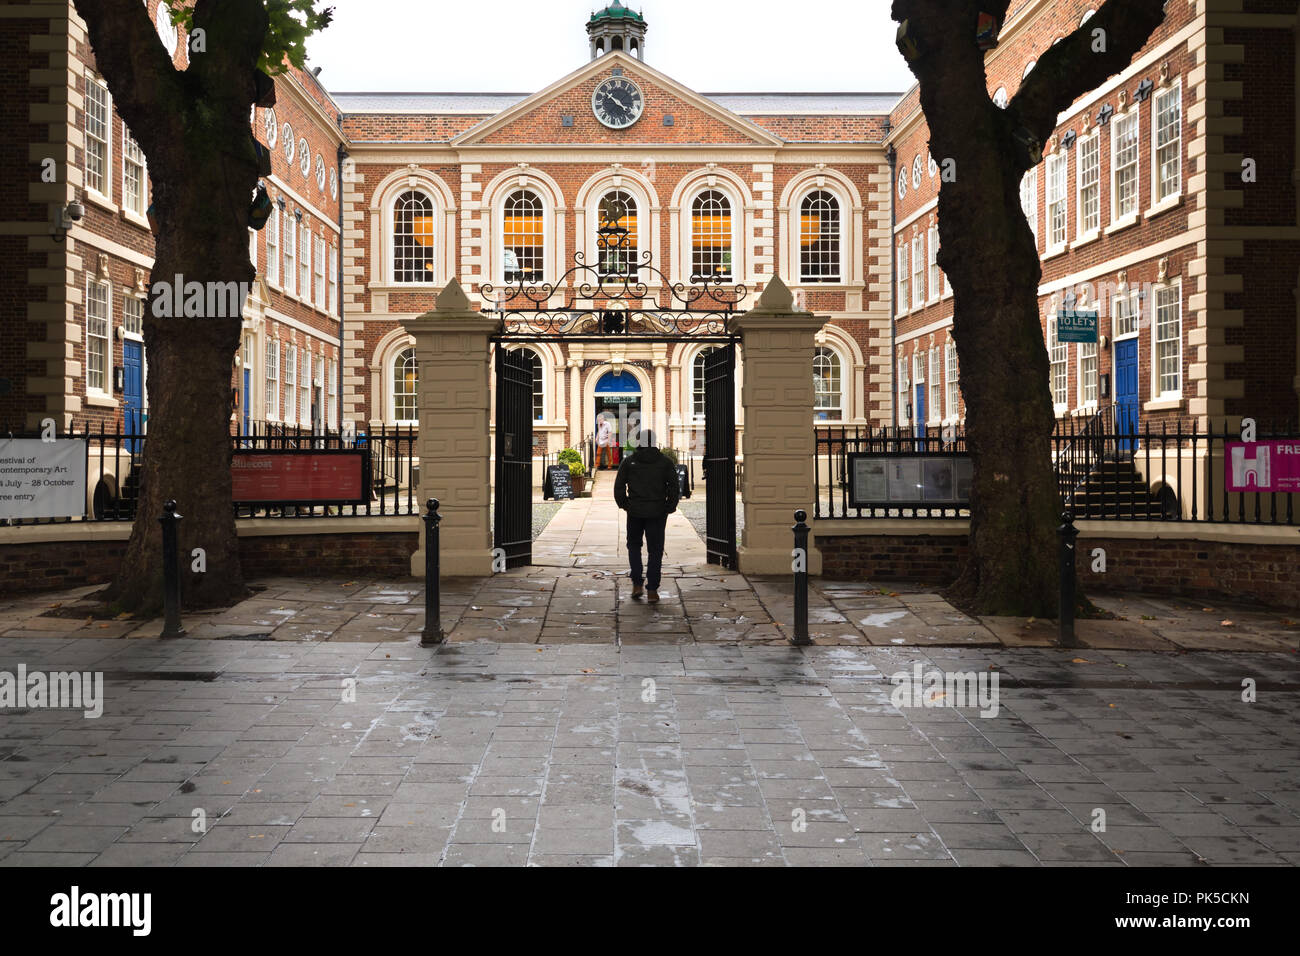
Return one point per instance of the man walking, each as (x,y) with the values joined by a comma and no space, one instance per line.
(646,488)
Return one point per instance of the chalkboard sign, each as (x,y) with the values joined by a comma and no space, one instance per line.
(683,481)
(559,485)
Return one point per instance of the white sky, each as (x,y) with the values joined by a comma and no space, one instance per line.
(522,46)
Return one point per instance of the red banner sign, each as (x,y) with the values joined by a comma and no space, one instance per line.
(293,477)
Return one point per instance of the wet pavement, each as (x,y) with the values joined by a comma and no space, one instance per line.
(344,753)
(564,724)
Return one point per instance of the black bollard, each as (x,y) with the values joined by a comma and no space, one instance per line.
(1068,533)
(171,573)
(801,529)
(432,634)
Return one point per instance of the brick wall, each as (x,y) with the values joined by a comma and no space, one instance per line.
(28,568)
(1269,574)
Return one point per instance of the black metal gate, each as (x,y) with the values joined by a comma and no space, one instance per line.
(720,455)
(513,513)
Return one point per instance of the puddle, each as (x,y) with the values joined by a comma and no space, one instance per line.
(883,619)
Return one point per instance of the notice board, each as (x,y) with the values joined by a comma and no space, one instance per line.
(42,479)
(301,476)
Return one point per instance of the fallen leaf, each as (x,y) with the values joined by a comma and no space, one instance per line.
(1031,620)
(1148,617)
(1226,624)
(539,650)
(1207,609)
(1110,705)
(57,604)
(588,670)
(123,616)
(1083,660)
(104,624)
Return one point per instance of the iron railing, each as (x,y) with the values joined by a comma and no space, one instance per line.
(1104,472)
(114,458)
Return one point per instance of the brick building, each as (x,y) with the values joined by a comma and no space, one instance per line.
(1165,201)
(1140,207)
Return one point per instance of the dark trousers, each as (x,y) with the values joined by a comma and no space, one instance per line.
(653,531)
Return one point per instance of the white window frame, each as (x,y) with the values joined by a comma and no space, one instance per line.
(1174,289)
(106,178)
(904,278)
(129,146)
(1058,207)
(1174,90)
(334,280)
(952,396)
(1029,200)
(304,385)
(918,272)
(104,390)
(835,413)
(499,217)
(934,411)
(936,274)
(391,376)
(904,391)
(289,376)
(271,381)
(390,239)
(696,381)
(1132,310)
(1087,351)
(289,243)
(688,214)
(318,267)
(273,248)
(331,396)
(304,264)
(1117,217)
(1083,231)
(1057,359)
(844,209)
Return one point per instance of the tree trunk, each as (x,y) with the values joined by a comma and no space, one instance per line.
(194,129)
(991,261)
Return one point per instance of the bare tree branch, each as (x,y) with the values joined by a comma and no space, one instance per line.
(1083,61)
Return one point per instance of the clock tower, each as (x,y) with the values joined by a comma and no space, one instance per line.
(617,28)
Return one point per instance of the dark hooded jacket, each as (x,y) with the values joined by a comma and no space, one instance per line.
(646,485)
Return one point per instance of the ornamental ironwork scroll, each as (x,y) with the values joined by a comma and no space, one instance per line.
(622,294)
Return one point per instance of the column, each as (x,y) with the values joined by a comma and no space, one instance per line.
(575,400)
(452,344)
(660,426)
(777,395)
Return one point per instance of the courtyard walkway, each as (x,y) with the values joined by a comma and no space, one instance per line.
(566,725)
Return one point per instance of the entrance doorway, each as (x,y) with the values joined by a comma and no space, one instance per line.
(617,417)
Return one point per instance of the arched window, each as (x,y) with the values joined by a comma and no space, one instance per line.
(539,385)
(711,236)
(413,234)
(522,236)
(406,381)
(1000,98)
(828,397)
(819,238)
(616,235)
(697,384)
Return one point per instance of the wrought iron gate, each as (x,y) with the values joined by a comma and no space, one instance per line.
(720,455)
(513,512)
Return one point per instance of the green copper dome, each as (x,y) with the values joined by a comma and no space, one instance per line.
(616,11)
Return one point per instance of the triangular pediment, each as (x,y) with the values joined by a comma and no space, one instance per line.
(672,114)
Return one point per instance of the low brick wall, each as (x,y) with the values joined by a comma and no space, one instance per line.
(52,557)
(1239,562)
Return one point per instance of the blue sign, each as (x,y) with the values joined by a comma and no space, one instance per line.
(1077,327)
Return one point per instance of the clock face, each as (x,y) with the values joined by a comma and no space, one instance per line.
(617,102)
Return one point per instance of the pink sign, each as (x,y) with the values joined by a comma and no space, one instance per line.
(1262,465)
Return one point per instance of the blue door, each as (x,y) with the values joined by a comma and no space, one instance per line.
(133,392)
(1126,389)
(918,412)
